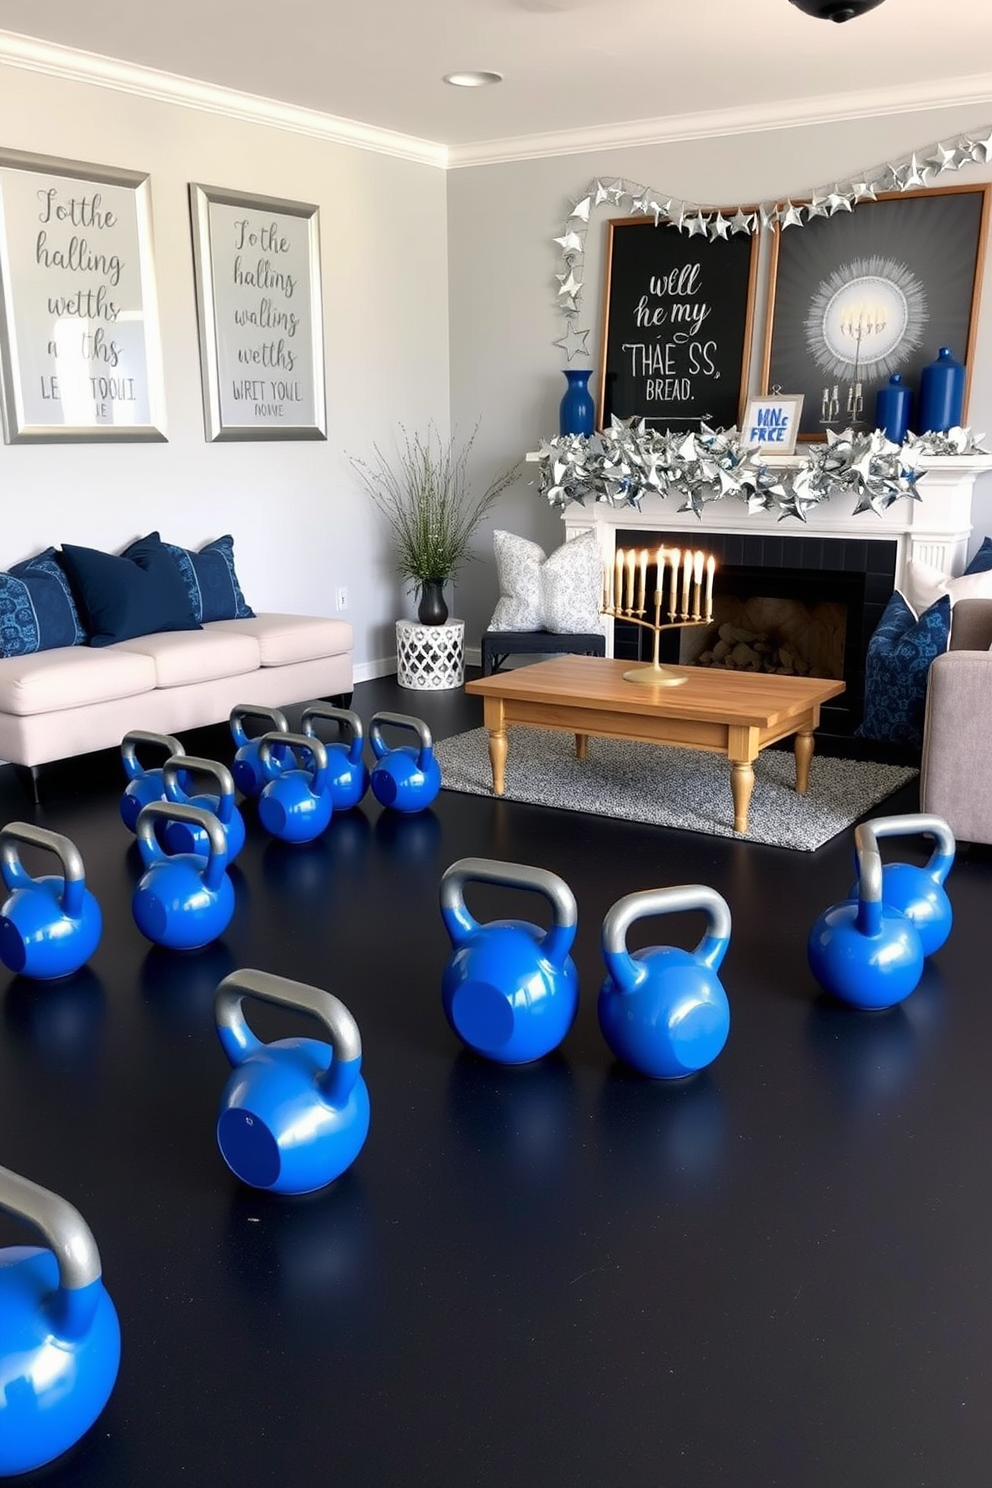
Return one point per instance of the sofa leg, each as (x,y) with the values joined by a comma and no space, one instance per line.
(27,777)
(341,699)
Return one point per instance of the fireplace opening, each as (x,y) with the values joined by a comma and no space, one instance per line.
(791,606)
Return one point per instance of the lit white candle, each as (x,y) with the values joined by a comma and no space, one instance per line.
(673,599)
(710,566)
(659,575)
(631,563)
(686,582)
(618,590)
(643,583)
(697,583)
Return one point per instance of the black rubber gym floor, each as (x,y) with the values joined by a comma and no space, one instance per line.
(773,1273)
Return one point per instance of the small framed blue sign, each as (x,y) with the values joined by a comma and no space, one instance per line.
(772,423)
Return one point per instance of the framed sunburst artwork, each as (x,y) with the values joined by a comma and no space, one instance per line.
(859,295)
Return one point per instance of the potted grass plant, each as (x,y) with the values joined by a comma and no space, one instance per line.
(426,498)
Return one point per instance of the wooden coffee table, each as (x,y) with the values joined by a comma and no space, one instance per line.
(736,714)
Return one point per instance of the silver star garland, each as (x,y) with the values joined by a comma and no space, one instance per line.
(914,170)
(620,465)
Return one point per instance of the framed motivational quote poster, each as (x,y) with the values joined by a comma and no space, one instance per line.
(80,354)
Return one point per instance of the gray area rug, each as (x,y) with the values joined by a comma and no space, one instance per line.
(682,788)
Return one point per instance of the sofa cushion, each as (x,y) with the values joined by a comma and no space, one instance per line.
(211,580)
(284,639)
(180,658)
(133,594)
(896,669)
(37,611)
(71,677)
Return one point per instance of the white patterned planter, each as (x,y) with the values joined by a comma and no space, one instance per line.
(430,658)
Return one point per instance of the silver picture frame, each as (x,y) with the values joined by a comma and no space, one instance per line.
(259,310)
(80,348)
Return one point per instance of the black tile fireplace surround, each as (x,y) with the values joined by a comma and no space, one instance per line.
(855,572)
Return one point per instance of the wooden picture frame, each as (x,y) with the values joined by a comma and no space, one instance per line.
(80,350)
(862,294)
(678,313)
(771,424)
(257,268)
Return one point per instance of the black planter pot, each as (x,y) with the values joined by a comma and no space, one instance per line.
(432,609)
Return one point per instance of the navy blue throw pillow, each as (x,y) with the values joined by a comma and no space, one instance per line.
(135,594)
(211,580)
(37,612)
(896,667)
(982,561)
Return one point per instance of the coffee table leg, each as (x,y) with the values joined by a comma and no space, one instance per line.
(741,785)
(803,747)
(581,746)
(497,758)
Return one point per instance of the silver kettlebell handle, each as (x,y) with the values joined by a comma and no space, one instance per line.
(193,816)
(869,864)
(65,850)
(309,743)
(275,720)
(237,1038)
(349,720)
(511,876)
(916,824)
(401,720)
(62,1225)
(190,764)
(672,900)
(134,737)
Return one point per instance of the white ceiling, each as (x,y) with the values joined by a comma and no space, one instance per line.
(568,65)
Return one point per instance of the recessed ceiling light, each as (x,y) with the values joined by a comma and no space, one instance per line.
(472,79)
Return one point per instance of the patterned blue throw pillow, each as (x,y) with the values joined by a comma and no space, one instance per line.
(896,667)
(37,612)
(982,561)
(211,581)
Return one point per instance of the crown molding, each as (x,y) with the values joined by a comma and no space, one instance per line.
(147,82)
(750,119)
(88,67)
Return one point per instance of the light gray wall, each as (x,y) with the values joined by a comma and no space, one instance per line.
(502,290)
(300,523)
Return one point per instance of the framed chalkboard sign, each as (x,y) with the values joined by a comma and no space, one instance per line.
(677,318)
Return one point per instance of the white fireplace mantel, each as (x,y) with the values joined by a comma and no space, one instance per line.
(934,530)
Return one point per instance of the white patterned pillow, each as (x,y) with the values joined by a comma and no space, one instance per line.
(560,593)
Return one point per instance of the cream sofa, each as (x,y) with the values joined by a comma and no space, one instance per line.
(956,767)
(73,699)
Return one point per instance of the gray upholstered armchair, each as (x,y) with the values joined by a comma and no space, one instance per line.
(956,768)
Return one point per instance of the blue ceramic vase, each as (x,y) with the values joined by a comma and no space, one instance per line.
(941,393)
(892,405)
(577,412)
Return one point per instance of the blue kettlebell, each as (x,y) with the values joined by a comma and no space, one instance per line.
(919,892)
(347,774)
(663,1010)
(510,989)
(295,1113)
(295,805)
(863,950)
(179,776)
(182,900)
(143,785)
(60,1347)
(49,927)
(246,770)
(403,778)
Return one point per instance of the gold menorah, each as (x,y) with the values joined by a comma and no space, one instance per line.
(684,577)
